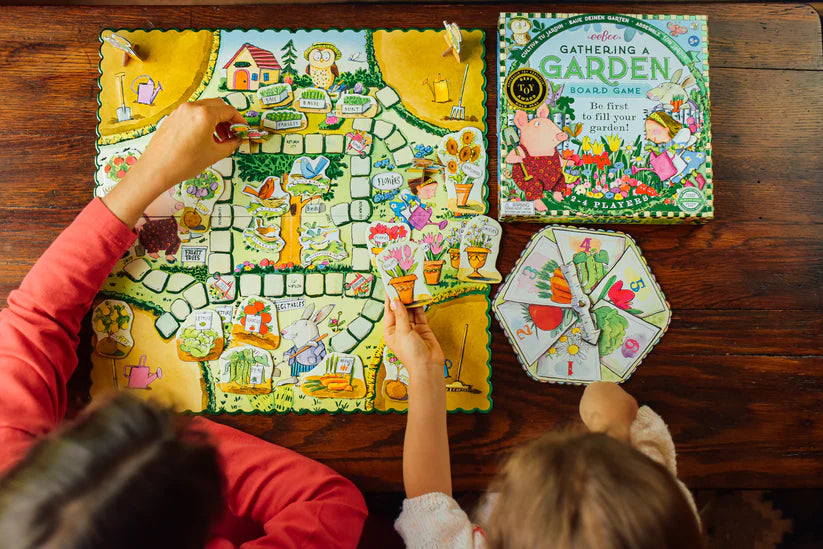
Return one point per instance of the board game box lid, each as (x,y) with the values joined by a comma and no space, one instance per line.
(604,118)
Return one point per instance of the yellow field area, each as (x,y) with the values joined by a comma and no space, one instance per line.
(162,56)
(180,387)
(408,59)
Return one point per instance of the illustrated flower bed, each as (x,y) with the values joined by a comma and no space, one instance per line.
(313,98)
(355,104)
(272,95)
(283,120)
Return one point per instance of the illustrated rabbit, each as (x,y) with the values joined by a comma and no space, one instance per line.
(307,350)
(666,92)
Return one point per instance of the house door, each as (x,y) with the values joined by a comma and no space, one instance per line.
(241,79)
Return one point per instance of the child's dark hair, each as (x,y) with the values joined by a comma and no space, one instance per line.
(126,474)
(588,491)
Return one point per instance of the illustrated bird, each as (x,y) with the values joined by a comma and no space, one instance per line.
(264,192)
(322,67)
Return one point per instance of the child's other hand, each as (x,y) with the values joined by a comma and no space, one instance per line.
(408,335)
(606,408)
(184,145)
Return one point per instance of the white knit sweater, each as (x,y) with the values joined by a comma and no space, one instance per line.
(435,521)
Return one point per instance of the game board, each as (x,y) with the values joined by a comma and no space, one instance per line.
(254,287)
(604,118)
(581,305)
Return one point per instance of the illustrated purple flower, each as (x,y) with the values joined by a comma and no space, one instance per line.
(358,87)
(191,189)
(214,186)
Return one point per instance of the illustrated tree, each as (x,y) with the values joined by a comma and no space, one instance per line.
(257,167)
(289,55)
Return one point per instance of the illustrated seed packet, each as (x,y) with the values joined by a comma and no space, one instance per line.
(537,278)
(112,321)
(629,286)
(245,370)
(478,251)
(401,268)
(604,118)
(255,323)
(566,310)
(624,337)
(200,337)
(571,357)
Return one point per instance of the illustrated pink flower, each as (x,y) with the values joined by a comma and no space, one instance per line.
(435,242)
(404,257)
(621,298)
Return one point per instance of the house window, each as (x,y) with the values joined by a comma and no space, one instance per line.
(254,77)
(265,77)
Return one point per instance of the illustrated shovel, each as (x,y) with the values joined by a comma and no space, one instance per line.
(123,112)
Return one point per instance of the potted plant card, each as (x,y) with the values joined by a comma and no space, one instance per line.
(478,251)
(434,247)
(464,157)
(382,233)
(200,337)
(453,241)
(111,321)
(401,268)
(246,370)
(275,95)
(199,197)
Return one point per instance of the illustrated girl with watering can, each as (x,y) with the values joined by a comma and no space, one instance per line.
(669,139)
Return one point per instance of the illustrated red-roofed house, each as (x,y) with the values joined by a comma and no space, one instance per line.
(250,68)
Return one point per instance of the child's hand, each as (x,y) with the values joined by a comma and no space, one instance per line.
(408,335)
(606,408)
(184,145)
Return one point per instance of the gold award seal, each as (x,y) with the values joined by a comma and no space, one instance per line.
(526,88)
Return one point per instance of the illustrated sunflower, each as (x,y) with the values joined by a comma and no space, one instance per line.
(465,153)
(451,146)
(475,153)
(467,138)
(452,165)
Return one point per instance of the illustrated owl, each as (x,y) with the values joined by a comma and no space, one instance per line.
(322,67)
(520,27)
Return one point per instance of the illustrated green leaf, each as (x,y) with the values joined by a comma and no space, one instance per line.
(579,258)
(602,257)
(606,287)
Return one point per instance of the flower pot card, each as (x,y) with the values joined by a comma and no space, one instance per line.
(245,370)
(112,321)
(580,306)
(463,154)
(401,268)
(338,376)
(200,337)
(382,233)
(255,323)
(478,251)
(434,248)
(199,197)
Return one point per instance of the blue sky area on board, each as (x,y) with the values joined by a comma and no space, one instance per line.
(350,43)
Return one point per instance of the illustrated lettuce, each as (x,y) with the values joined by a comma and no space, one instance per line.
(612,329)
(197,343)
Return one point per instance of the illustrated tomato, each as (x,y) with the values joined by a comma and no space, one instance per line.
(107,169)
(249,309)
(118,161)
(264,330)
(121,173)
(546,317)
(266,318)
(130,160)
(259,306)
(242,320)
(290,264)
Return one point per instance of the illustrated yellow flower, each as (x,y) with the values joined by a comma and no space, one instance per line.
(452,166)
(614,142)
(465,154)
(451,146)
(628,148)
(475,153)
(598,148)
(618,196)
(467,138)
(587,143)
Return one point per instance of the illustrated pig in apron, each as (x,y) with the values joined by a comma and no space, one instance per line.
(536,164)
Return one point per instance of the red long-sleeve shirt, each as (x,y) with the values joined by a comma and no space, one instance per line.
(275,497)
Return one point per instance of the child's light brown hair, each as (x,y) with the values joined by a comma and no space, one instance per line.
(588,491)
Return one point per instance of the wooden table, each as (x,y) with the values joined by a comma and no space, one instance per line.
(739,375)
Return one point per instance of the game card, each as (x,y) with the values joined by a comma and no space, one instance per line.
(401,268)
(571,242)
(624,339)
(570,358)
(530,340)
(630,287)
(530,282)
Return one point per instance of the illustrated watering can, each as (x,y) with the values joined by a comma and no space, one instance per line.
(140,376)
(146,89)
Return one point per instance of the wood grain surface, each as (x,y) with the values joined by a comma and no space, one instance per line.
(739,375)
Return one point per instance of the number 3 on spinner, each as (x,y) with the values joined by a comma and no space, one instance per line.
(531,272)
